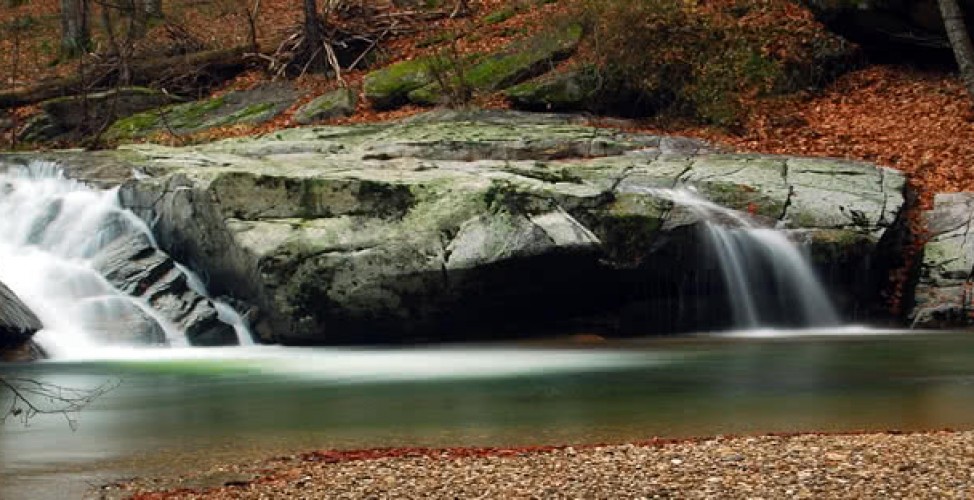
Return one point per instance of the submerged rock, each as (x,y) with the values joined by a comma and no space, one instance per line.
(480,225)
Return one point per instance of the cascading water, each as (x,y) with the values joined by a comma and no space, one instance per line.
(767,279)
(51,230)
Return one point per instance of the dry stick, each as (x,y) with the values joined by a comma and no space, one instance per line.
(308,64)
(374,44)
(333,61)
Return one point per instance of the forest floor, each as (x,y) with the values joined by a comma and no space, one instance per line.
(917,121)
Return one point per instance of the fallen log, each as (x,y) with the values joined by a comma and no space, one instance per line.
(181,72)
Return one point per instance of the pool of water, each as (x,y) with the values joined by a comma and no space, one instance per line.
(173,410)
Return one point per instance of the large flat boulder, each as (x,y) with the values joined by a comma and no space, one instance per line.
(486,224)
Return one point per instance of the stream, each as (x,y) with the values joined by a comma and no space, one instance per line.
(174,410)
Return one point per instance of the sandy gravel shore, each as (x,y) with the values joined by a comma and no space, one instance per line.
(917,465)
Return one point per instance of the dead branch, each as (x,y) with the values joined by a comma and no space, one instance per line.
(32,397)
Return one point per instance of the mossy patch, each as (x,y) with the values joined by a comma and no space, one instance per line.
(569,91)
(332,104)
(243,107)
(388,87)
(518,62)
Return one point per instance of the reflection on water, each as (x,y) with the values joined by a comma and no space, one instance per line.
(177,408)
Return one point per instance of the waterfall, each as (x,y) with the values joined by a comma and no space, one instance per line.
(51,231)
(767,279)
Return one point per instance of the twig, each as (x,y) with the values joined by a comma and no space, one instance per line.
(364,53)
(333,61)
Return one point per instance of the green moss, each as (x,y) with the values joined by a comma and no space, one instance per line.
(505,69)
(387,87)
(743,198)
(136,125)
(573,90)
(518,62)
(251,114)
(437,39)
(190,115)
(500,15)
(545,174)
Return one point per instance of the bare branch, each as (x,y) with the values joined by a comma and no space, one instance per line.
(32,397)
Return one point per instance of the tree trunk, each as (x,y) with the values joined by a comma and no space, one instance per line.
(960,41)
(75,34)
(138,18)
(314,37)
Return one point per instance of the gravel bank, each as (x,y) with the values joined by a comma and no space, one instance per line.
(921,465)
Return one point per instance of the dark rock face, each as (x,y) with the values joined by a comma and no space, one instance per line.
(905,27)
(17,325)
(135,267)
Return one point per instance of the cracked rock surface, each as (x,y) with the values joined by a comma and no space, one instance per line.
(459,222)
(943,292)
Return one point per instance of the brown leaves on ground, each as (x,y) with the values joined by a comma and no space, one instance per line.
(918,122)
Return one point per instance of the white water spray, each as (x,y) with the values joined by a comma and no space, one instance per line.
(753,260)
(51,229)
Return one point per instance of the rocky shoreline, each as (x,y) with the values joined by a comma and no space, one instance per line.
(938,464)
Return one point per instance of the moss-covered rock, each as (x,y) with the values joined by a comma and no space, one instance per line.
(518,62)
(568,91)
(238,107)
(73,111)
(334,104)
(457,225)
(71,117)
(387,88)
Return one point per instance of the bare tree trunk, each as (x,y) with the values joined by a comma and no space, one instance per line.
(75,34)
(314,37)
(117,48)
(960,41)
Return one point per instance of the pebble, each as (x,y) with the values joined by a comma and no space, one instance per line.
(941,465)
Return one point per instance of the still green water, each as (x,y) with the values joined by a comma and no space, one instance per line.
(174,410)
